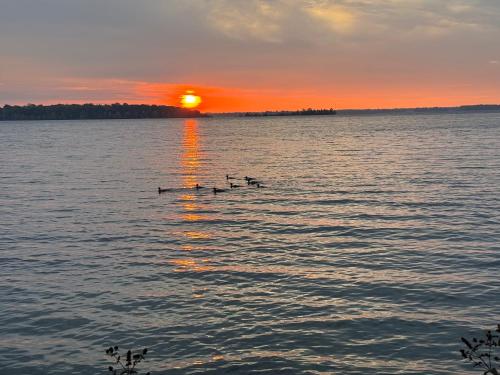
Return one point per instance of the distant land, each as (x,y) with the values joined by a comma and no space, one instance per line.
(302,112)
(93,112)
(424,110)
(145,111)
(421,110)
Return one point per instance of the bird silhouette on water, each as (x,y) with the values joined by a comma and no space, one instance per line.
(215,190)
(251,181)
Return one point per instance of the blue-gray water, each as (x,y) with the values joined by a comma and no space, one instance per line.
(374,247)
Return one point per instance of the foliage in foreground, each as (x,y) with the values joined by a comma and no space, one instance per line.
(127,366)
(483,352)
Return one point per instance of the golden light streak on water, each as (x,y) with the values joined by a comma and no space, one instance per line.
(190,167)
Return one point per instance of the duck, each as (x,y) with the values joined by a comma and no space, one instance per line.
(228,177)
(259,186)
(253,182)
(233,186)
(198,187)
(249,178)
(160,190)
(215,190)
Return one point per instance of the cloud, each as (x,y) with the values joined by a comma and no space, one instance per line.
(253,18)
(339,19)
(321,20)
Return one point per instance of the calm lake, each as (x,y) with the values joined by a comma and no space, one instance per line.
(374,246)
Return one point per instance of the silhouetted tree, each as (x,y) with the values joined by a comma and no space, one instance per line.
(302,112)
(93,111)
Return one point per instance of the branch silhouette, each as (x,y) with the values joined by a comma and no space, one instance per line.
(127,366)
(483,352)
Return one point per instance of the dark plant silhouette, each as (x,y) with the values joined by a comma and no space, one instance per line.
(127,366)
(483,352)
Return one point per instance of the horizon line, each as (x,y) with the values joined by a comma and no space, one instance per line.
(270,110)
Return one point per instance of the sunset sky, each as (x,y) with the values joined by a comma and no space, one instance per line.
(243,55)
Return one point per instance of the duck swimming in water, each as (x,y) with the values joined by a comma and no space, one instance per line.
(228,177)
(253,182)
(233,186)
(198,187)
(259,186)
(215,190)
(249,178)
(160,190)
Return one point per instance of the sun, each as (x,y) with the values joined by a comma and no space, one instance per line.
(190,100)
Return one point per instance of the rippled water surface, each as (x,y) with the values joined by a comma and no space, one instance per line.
(374,247)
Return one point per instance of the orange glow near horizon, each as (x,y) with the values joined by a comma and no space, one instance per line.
(345,95)
(190,100)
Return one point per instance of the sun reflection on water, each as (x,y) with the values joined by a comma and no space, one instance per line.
(191,152)
(190,168)
(190,165)
(184,265)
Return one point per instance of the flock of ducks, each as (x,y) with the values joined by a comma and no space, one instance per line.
(251,181)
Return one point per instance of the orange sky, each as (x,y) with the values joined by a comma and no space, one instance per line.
(237,99)
(252,55)
(233,99)
(230,99)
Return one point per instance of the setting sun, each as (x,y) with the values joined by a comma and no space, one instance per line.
(190,100)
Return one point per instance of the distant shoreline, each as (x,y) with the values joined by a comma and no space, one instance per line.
(125,111)
(381,111)
(425,110)
(32,112)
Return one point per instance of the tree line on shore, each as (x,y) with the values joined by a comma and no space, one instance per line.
(93,111)
(302,112)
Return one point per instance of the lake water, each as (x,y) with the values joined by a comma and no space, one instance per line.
(374,247)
